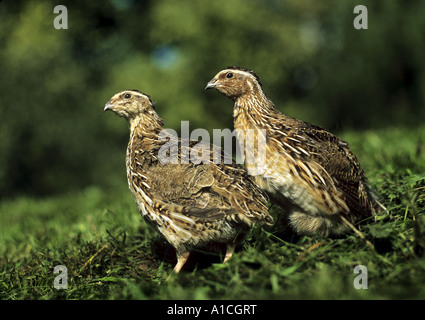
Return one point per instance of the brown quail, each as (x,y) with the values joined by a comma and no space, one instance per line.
(308,171)
(192,205)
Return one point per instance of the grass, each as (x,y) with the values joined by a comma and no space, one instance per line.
(110,253)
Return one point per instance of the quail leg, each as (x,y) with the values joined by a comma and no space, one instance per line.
(181,260)
(229,252)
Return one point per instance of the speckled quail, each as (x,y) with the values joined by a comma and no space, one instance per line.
(308,171)
(192,205)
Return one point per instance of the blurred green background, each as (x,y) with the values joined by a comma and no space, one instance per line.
(312,62)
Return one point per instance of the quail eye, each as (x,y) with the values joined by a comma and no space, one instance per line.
(229,75)
(127,96)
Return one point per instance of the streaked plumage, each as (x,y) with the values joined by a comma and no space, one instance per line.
(309,172)
(191,205)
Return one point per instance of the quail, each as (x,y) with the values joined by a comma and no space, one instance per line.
(193,204)
(311,173)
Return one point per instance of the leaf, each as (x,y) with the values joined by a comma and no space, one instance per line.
(288,271)
(379,231)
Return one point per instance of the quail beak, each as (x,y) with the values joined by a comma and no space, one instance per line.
(108,106)
(211,85)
